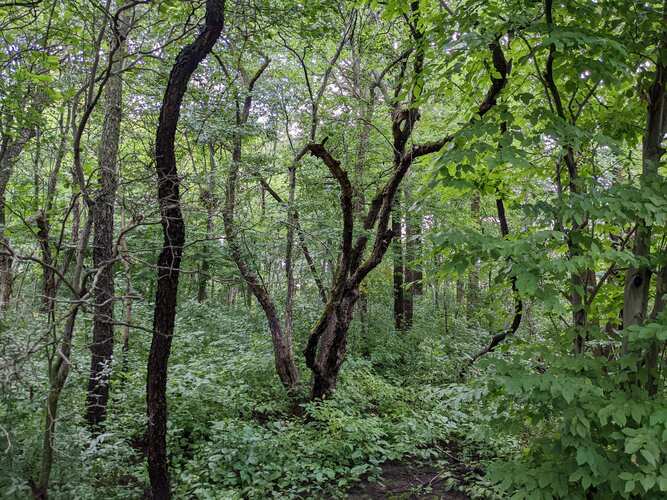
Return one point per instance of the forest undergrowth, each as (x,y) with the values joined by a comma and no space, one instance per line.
(234,434)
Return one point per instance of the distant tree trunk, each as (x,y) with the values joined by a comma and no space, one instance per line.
(289,253)
(412,274)
(472,298)
(365,119)
(10,149)
(101,349)
(398,267)
(460,292)
(48,276)
(174,238)
(209,200)
(128,295)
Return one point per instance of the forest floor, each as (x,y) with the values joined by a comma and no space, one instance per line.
(407,480)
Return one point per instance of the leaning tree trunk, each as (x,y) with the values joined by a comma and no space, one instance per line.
(169,260)
(282,341)
(282,345)
(101,349)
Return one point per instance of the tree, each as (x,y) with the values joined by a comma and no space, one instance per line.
(103,228)
(166,294)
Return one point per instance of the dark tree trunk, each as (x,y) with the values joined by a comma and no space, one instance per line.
(174,237)
(578,278)
(518,303)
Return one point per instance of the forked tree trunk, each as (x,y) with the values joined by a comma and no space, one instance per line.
(174,237)
(327,343)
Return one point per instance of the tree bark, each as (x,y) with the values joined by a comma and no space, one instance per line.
(174,238)
(578,278)
(638,278)
(101,349)
(289,252)
(282,342)
(282,345)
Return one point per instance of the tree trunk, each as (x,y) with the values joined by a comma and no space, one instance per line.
(209,200)
(101,349)
(174,238)
(282,342)
(10,149)
(326,345)
(59,366)
(412,273)
(472,296)
(397,254)
(282,345)
(460,292)
(289,253)
(638,279)
(128,295)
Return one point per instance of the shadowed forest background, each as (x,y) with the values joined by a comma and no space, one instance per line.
(370,249)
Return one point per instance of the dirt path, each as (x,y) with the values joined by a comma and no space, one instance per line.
(406,480)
